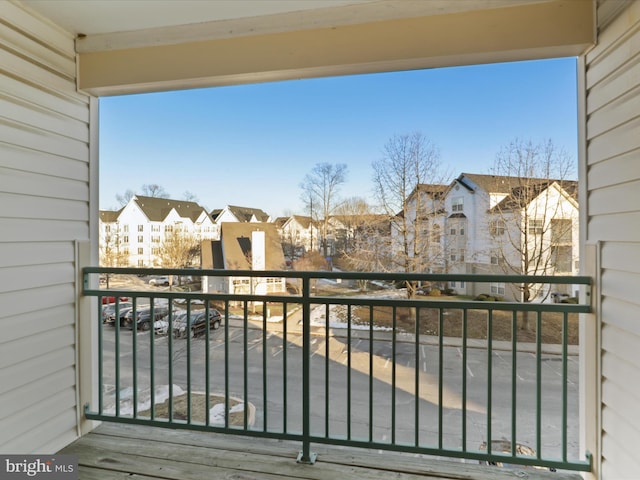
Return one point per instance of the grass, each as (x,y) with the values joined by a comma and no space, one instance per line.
(198,408)
(502,323)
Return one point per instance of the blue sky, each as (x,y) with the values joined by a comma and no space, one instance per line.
(251,145)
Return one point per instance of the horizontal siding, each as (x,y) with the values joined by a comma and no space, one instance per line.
(613,213)
(44,210)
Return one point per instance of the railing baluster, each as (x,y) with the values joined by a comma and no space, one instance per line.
(327,355)
(264,367)
(514,377)
(285,322)
(464,378)
(188,341)
(394,327)
(539,385)
(370,373)
(207,364)
(440,373)
(349,369)
(101,358)
(134,360)
(416,425)
(565,357)
(226,363)
(245,363)
(170,360)
(489,377)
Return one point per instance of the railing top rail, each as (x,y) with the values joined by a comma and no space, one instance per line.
(387,276)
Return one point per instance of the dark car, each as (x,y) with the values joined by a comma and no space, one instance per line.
(109,311)
(197,323)
(143,317)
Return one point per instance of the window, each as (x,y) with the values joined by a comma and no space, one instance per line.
(140,251)
(141,228)
(107,228)
(125,228)
(125,239)
(141,263)
(497,289)
(452,231)
(155,251)
(496,258)
(107,238)
(561,257)
(155,239)
(561,231)
(461,230)
(461,255)
(452,284)
(457,204)
(496,228)
(535,227)
(140,239)
(125,251)
(155,228)
(436,233)
(454,255)
(168,228)
(462,284)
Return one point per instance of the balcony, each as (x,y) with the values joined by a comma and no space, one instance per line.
(334,371)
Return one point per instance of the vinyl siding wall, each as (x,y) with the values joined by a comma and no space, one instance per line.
(44,209)
(613,189)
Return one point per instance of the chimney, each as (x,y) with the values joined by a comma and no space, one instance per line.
(258,260)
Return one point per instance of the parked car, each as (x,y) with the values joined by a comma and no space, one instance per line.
(108,300)
(197,323)
(143,317)
(162,280)
(109,311)
(111,320)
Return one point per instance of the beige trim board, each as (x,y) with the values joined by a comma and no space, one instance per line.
(522,32)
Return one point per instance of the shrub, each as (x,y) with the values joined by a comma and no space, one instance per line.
(435,292)
(573,300)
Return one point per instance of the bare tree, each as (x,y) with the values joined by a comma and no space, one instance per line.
(148,190)
(124,198)
(410,182)
(532,223)
(178,250)
(154,190)
(190,196)
(320,189)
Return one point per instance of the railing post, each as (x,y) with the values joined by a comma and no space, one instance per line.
(305,455)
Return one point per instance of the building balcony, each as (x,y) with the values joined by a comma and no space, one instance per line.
(342,371)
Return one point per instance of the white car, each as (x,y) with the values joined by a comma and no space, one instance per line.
(163,280)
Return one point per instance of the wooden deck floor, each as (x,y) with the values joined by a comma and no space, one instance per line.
(115,451)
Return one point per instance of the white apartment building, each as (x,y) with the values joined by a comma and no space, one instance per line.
(132,236)
(511,225)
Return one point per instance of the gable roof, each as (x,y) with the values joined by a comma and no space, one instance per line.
(527,192)
(233,250)
(109,216)
(156,209)
(244,214)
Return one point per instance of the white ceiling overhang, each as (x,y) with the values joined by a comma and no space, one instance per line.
(142,45)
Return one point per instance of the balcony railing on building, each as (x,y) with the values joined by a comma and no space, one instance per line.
(346,359)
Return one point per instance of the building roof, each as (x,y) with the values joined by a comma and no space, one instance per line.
(233,251)
(527,192)
(244,214)
(109,216)
(156,209)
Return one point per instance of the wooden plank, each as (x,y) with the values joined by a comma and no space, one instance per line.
(248,456)
(97,473)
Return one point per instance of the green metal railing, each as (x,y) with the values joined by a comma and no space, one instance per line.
(327,363)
